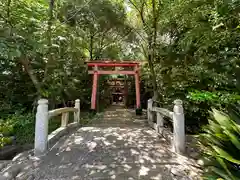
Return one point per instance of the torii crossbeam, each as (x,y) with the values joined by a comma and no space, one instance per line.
(96,72)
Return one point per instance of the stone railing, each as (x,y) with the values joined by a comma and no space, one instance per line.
(43,115)
(177,118)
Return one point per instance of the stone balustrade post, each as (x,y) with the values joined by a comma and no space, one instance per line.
(149,112)
(41,128)
(160,122)
(178,127)
(77,114)
(65,119)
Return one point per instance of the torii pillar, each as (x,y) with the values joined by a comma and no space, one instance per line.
(94,88)
(137,86)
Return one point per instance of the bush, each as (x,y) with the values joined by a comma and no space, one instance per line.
(6,129)
(197,104)
(23,127)
(221,146)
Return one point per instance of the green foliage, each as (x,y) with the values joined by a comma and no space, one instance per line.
(201,100)
(54,123)
(6,129)
(196,56)
(21,127)
(221,146)
(44,57)
(192,47)
(218,99)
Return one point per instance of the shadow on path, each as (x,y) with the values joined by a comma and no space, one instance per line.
(118,146)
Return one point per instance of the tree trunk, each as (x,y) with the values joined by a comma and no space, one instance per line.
(153,48)
(49,38)
(153,74)
(91,46)
(8,19)
(29,70)
(152,37)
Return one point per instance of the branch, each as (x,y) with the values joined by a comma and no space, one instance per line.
(141,12)
(8,19)
(135,6)
(80,8)
(144,51)
(29,70)
(140,36)
(115,39)
(49,38)
(5,19)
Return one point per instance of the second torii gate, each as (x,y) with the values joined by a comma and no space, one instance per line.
(96,72)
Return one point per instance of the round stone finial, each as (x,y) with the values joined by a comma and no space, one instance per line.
(150,100)
(178,102)
(42,101)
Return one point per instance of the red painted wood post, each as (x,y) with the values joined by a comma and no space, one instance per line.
(137,84)
(113,72)
(94,88)
(112,64)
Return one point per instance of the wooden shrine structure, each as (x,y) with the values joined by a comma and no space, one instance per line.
(119,89)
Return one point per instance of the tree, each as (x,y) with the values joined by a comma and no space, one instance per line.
(101,26)
(148,13)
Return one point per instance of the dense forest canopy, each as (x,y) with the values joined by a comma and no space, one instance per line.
(190,50)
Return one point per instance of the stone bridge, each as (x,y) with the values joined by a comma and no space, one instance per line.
(117,144)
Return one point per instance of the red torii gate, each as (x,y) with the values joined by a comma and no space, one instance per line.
(96,72)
